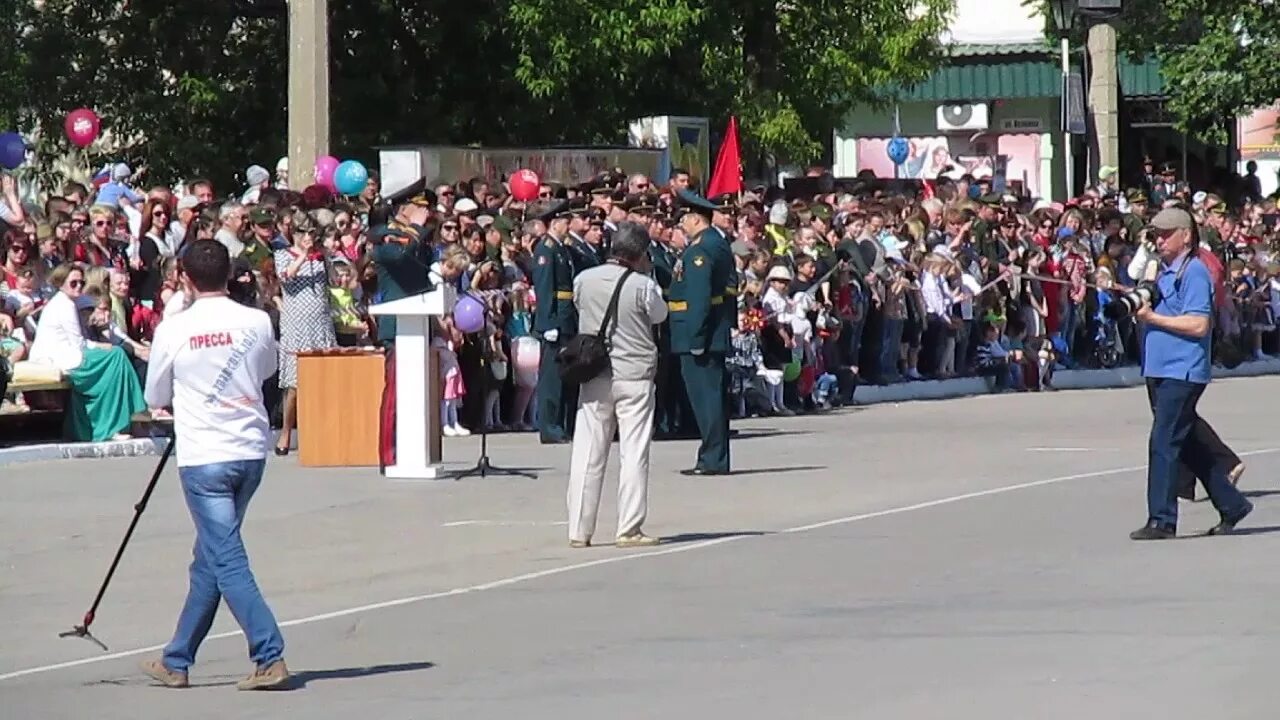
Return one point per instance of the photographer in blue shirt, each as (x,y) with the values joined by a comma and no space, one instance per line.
(1177,336)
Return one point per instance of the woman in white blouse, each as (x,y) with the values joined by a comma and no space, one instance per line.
(105,392)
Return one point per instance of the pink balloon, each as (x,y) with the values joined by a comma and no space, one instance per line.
(526,351)
(326,165)
(82,126)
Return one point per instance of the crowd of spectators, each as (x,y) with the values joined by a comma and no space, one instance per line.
(853,283)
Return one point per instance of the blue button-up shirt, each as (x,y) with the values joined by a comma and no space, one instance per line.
(1186,291)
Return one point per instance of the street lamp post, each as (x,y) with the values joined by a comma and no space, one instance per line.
(1064,16)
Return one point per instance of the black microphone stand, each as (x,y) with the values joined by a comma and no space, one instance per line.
(483,467)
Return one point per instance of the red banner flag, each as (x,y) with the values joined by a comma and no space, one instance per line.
(727,177)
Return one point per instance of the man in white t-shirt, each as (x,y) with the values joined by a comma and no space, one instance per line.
(209,364)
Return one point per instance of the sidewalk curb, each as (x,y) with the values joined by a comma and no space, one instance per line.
(1063,380)
(136,447)
(867,395)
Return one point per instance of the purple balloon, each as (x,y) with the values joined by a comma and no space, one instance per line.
(468,314)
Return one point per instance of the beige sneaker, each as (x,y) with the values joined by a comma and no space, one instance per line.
(577,544)
(156,670)
(270,677)
(637,539)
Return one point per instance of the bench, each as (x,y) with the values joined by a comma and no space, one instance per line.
(43,388)
(32,377)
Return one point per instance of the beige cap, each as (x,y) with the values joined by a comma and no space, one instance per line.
(779,272)
(1172,219)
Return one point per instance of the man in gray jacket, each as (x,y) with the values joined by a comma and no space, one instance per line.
(621,398)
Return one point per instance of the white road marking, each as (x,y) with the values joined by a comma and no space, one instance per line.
(506,523)
(526,577)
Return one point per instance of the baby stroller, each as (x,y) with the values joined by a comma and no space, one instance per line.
(1108,349)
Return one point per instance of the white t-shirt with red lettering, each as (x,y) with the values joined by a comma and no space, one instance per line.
(209,362)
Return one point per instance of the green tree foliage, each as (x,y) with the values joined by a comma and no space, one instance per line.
(1220,58)
(199,88)
(790,70)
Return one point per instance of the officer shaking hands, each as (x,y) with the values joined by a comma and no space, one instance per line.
(555,320)
(1177,333)
(701,315)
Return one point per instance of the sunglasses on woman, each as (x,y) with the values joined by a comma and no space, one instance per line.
(75,284)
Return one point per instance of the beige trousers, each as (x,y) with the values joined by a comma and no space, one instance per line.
(605,404)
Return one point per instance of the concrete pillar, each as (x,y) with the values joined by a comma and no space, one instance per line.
(308,88)
(1104,97)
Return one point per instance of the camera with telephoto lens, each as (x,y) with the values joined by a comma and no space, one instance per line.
(1128,303)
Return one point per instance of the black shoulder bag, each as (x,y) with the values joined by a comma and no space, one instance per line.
(585,356)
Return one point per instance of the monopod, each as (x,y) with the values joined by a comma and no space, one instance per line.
(82,630)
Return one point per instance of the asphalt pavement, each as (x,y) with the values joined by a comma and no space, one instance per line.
(955,559)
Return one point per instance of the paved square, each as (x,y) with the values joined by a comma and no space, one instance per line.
(958,559)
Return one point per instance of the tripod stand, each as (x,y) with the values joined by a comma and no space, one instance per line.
(483,467)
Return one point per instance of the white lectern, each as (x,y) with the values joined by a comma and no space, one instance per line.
(417,389)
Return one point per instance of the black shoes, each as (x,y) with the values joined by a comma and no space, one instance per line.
(697,471)
(1228,525)
(1152,531)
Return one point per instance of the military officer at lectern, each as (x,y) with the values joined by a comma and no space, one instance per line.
(701,314)
(555,320)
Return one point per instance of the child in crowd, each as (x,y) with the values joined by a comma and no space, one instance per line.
(745,360)
(496,363)
(993,359)
(523,415)
(349,328)
(23,303)
(445,342)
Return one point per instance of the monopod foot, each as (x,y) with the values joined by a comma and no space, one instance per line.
(82,631)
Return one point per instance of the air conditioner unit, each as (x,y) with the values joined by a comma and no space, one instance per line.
(956,118)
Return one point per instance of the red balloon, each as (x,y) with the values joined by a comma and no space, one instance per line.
(82,126)
(524,184)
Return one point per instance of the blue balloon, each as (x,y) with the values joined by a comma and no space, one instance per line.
(13,150)
(898,150)
(350,178)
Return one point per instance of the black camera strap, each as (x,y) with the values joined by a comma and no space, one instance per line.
(611,314)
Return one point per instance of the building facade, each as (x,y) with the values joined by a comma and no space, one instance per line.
(994,109)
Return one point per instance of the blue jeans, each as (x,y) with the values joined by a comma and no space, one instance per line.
(891,349)
(217,496)
(1173,403)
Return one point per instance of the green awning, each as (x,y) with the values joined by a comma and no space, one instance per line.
(1141,79)
(1032,75)
(988,81)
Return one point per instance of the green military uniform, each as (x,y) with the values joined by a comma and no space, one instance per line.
(1134,222)
(700,322)
(726,204)
(258,254)
(402,261)
(986,242)
(1210,235)
(673,417)
(402,258)
(555,320)
(583,253)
